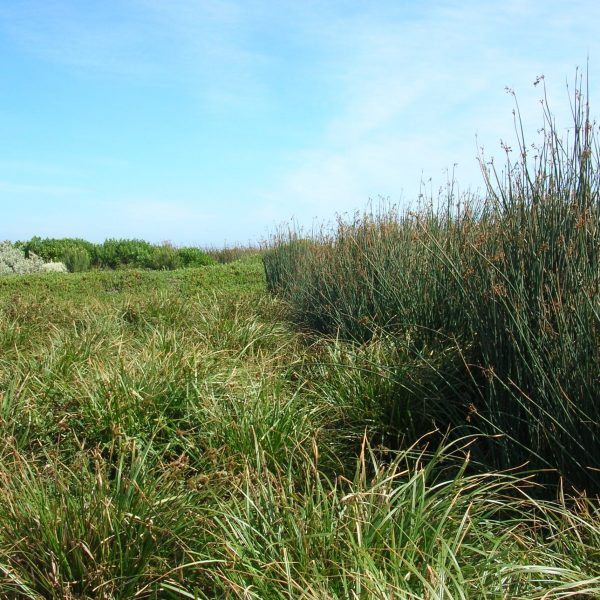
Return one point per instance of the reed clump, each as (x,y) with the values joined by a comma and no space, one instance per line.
(512,279)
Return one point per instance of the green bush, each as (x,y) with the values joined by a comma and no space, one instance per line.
(71,251)
(125,253)
(164,258)
(80,255)
(76,259)
(194,257)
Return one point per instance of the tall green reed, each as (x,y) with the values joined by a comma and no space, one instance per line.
(512,278)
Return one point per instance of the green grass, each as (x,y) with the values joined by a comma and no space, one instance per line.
(186,434)
(168,435)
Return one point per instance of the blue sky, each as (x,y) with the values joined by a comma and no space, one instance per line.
(208,122)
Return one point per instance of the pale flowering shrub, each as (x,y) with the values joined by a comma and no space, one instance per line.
(14,262)
(54,267)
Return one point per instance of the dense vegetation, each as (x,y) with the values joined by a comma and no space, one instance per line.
(496,300)
(165,435)
(80,255)
(14,262)
(184,434)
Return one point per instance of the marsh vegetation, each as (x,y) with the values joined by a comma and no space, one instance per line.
(405,405)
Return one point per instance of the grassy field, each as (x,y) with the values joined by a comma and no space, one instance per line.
(404,406)
(168,435)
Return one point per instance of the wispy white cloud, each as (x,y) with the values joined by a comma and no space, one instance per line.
(415,91)
(203,46)
(27,189)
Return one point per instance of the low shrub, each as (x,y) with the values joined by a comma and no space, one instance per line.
(76,259)
(134,253)
(14,262)
(54,267)
(76,253)
(164,258)
(80,255)
(194,257)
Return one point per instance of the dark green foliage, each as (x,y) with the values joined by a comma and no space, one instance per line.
(79,255)
(75,253)
(76,259)
(164,258)
(125,253)
(194,257)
